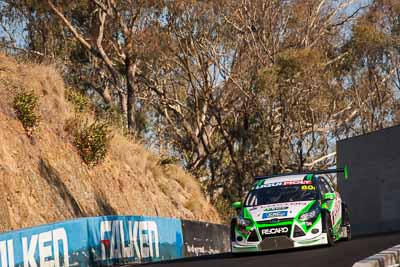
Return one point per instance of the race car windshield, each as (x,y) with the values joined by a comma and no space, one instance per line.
(280,194)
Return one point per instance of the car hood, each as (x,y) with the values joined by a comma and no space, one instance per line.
(277,211)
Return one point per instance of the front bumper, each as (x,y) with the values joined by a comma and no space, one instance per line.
(278,243)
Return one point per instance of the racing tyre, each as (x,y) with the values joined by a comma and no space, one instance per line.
(232,238)
(327,228)
(348,238)
(232,234)
(346,222)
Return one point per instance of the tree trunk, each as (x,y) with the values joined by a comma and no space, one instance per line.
(107,95)
(104,92)
(131,66)
(122,102)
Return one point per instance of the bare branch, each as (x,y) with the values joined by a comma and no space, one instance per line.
(311,164)
(68,24)
(30,51)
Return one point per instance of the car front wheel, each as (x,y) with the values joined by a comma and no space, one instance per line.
(232,232)
(327,228)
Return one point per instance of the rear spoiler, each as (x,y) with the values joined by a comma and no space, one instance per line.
(344,170)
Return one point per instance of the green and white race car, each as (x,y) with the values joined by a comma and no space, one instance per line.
(290,211)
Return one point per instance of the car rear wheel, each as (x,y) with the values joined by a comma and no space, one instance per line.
(348,228)
(346,222)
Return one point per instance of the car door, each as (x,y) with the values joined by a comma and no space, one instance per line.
(335,204)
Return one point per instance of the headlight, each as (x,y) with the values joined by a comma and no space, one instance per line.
(309,215)
(242,222)
(312,213)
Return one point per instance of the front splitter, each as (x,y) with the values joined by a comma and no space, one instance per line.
(278,243)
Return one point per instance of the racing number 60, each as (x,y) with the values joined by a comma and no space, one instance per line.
(307,187)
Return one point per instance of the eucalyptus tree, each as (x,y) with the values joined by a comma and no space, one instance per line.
(232,88)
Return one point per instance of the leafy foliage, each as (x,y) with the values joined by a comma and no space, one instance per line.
(168,160)
(25,105)
(80,102)
(112,115)
(232,96)
(92,141)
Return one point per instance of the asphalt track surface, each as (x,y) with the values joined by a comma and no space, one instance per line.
(344,253)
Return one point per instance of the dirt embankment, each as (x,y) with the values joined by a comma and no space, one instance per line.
(43,179)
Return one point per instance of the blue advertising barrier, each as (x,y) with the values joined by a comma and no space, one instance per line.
(95,241)
(133,239)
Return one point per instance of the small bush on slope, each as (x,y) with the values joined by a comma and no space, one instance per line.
(80,102)
(25,104)
(129,182)
(92,141)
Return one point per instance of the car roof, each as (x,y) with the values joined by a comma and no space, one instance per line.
(285,178)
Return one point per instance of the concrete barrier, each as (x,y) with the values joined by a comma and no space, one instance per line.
(372,191)
(386,258)
(110,240)
(201,238)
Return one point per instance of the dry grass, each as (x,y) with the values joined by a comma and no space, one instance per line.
(193,204)
(42,179)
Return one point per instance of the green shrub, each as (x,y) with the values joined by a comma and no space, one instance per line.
(80,101)
(92,141)
(168,160)
(112,115)
(25,105)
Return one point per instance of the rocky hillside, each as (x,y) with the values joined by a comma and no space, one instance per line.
(43,179)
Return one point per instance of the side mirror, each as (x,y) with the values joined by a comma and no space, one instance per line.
(329,196)
(237,205)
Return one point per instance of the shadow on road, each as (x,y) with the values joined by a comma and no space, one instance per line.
(343,253)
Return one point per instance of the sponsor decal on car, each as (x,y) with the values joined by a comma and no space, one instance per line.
(274,231)
(297,182)
(266,184)
(336,212)
(274,214)
(276,208)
